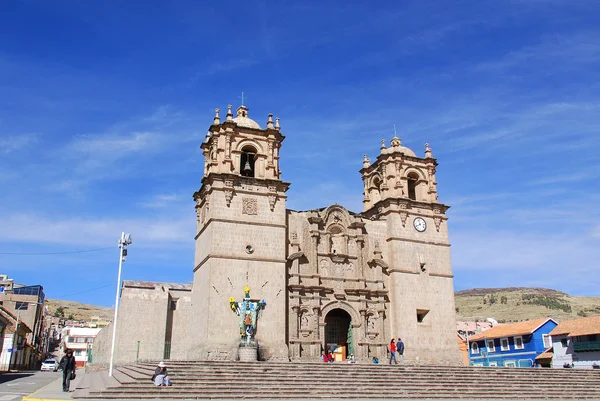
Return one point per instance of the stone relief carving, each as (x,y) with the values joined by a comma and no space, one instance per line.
(304,320)
(438,221)
(249,206)
(403,218)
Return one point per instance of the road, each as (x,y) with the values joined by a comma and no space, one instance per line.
(15,386)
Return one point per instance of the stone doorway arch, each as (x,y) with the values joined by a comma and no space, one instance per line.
(338,328)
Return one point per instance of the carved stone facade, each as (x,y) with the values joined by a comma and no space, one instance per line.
(330,277)
(383,273)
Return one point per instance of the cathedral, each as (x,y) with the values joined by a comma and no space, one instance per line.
(330,278)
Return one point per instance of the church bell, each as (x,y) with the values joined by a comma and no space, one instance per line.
(247,168)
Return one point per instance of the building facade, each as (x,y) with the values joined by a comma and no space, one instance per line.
(330,277)
(27,304)
(577,343)
(80,340)
(511,345)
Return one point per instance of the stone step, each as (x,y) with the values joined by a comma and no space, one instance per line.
(333,394)
(254,380)
(395,369)
(523,372)
(338,378)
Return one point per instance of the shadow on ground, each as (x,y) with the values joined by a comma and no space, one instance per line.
(7,377)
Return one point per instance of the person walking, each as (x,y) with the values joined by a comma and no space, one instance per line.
(68,366)
(393,351)
(400,348)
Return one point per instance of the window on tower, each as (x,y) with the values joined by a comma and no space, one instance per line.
(247,161)
(412,185)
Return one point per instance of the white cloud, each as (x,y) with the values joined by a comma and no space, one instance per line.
(16,142)
(160,200)
(148,231)
(113,146)
(503,251)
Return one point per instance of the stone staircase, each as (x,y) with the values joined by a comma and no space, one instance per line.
(203,380)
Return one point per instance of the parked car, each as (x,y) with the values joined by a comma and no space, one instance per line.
(50,364)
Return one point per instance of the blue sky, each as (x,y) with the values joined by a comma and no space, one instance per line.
(103,106)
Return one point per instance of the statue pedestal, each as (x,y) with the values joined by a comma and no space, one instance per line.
(248,353)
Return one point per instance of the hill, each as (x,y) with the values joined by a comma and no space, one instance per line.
(78,310)
(517,303)
(503,304)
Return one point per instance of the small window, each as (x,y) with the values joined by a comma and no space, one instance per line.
(421,313)
(70,339)
(89,340)
(174,305)
(510,364)
(80,339)
(77,352)
(474,348)
(493,363)
(504,346)
(519,342)
(564,342)
(21,305)
(490,346)
(547,340)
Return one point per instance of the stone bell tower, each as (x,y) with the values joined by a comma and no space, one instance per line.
(240,237)
(400,188)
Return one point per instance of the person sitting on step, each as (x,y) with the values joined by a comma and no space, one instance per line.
(160,377)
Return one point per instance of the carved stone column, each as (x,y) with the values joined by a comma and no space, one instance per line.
(314,249)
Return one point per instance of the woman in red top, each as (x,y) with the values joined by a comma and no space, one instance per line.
(393,351)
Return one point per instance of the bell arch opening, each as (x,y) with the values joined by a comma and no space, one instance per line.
(412,180)
(338,333)
(247,161)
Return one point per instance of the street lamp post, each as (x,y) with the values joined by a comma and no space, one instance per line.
(123,242)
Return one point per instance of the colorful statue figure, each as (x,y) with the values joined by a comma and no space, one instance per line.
(248,310)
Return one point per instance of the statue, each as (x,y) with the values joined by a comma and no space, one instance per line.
(248,310)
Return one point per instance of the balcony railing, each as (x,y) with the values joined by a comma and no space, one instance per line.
(586,346)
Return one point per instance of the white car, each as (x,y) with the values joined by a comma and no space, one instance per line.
(50,364)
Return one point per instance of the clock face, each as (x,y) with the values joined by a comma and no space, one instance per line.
(420,224)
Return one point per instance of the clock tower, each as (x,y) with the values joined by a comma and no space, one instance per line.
(240,237)
(400,188)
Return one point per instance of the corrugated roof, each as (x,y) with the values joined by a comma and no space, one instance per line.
(508,330)
(153,285)
(578,327)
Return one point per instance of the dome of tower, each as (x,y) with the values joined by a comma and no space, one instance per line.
(242,119)
(396,146)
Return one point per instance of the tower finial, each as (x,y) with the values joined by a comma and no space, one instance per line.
(229,113)
(428,154)
(243,98)
(383,144)
(217,119)
(277,123)
(366,161)
(270,121)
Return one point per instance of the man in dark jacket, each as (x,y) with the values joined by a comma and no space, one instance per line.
(400,348)
(68,366)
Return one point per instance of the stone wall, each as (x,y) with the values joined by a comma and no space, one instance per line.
(142,318)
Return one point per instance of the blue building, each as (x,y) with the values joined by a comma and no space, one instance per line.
(511,345)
